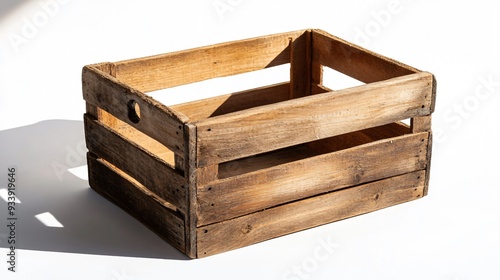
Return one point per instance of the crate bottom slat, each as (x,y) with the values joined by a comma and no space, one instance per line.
(308,213)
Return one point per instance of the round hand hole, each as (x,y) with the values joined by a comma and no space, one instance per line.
(134,111)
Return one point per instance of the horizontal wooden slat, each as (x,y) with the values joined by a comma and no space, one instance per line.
(354,61)
(303,151)
(138,201)
(232,197)
(270,127)
(139,163)
(156,120)
(307,213)
(228,103)
(194,65)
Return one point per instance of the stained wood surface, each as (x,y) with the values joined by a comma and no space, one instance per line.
(138,201)
(300,65)
(191,177)
(292,122)
(250,192)
(189,66)
(156,120)
(139,163)
(354,61)
(307,213)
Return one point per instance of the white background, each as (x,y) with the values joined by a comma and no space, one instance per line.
(452,234)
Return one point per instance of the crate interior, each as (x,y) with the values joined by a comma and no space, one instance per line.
(220,103)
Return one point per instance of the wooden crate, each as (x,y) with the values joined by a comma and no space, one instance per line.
(221,173)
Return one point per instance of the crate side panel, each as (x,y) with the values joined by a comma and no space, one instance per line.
(228,103)
(137,201)
(143,166)
(292,122)
(354,61)
(189,66)
(222,200)
(156,120)
(307,213)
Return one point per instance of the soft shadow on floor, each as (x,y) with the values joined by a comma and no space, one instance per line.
(42,153)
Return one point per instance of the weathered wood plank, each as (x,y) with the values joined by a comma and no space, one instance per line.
(192,177)
(355,61)
(236,196)
(194,65)
(300,65)
(141,139)
(137,200)
(143,166)
(421,124)
(307,213)
(270,127)
(156,120)
(228,103)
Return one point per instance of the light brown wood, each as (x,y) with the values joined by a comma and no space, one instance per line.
(354,61)
(222,200)
(189,66)
(137,162)
(228,103)
(136,136)
(421,124)
(307,213)
(137,200)
(292,122)
(156,120)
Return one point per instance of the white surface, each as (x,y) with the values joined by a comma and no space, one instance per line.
(452,234)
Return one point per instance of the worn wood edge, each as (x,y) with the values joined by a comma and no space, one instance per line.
(210,130)
(104,91)
(190,137)
(229,103)
(391,67)
(214,61)
(429,160)
(149,170)
(357,165)
(308,213)
(137,201)
(421,124)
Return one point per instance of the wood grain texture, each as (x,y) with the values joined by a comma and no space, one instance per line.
(139,138)
(300,65)
(307,213)
(156,120)
(270,127)
(251,192)
(428,168)
(189,66)
(143,166)
(355,61)
(137,200)
(228,103)
(192,177)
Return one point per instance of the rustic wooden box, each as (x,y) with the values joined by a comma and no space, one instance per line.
(221,173)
